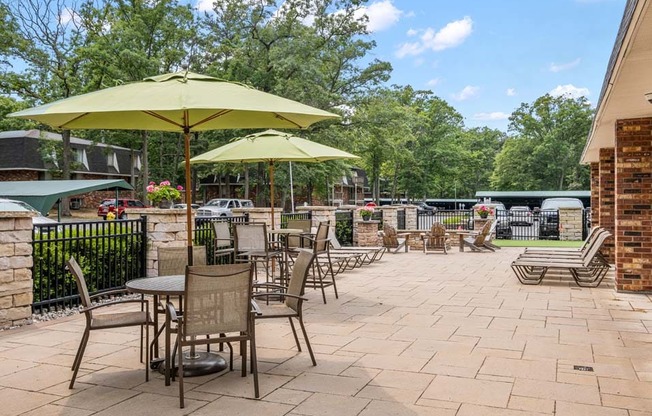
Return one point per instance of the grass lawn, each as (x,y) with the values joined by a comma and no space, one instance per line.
(536,243)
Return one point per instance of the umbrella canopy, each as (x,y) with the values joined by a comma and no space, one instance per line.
(182,102)
(271,146)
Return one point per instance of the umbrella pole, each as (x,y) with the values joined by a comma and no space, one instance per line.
(291,189)
(186,140)
(271,186)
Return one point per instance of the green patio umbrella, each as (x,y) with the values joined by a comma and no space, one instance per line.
(271,146)
(184,102)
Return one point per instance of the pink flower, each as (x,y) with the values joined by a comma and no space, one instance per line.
(165,183)
(152,183)
(179,188)
(150,188)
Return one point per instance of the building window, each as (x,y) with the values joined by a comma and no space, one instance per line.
(80,157)
(112,161)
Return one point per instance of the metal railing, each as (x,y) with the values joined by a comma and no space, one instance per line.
(286,216)
(205,236)
(344,227)
(451,219)
(400,218)
(109,252)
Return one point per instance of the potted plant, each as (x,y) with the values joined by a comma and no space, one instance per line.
(366,212)
(484,211)
(163,194)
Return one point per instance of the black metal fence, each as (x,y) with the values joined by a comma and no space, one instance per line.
(109,253)
(400,218)
(452,219)
(344,227)
(287,216)
(205,235)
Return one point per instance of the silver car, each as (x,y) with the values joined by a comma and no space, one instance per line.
(222,207)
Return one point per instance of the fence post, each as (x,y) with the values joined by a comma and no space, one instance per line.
(320,214)
(16,284)
(411,217)
(390,215)
(143,250)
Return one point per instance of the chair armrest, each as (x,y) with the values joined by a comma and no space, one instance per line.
(109,293)
(272,285)
(117,302)
(255,308)
(286,295)
(171,312)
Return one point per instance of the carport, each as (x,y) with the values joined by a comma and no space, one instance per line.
(42,195)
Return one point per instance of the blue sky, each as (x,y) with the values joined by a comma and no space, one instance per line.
(487,57)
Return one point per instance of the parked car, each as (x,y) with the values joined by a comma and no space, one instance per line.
(109,205)
(222,207)
(183,206)
(18,206)
(425,209)
(520,215)
(549,215)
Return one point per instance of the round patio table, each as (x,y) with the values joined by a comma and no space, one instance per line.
(194,363)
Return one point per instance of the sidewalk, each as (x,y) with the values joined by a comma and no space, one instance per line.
(413,334)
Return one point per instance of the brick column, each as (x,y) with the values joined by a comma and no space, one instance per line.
(633,155)
(390,215)
(595,194)
(165,228)
(320,213)
(261,215)
(16,284)
(607,199)
(570,224)
(367,232)
(411,217)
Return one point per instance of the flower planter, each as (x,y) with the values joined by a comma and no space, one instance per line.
(165,204)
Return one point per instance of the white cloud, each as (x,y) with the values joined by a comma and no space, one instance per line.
(569,90)
(411,32)
(553,67)
(204,5)
(510,92)
(433,82)
(68,15)
(382,15)
(450,36)
(467,92)
(495,115)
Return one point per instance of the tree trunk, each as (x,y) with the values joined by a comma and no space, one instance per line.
(145,166)
(67,151)
(261,176)
(246,184)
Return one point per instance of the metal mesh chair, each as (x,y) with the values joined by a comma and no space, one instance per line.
(106,320)
(173,260)
(217,302)
(223,245)
(293,295)
(252,245)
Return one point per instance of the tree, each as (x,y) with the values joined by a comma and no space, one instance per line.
(545,148)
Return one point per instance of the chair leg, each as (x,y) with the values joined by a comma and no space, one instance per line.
(77,356)
(294,332)
(146,348)
(305,337)
(254,359)
(181,401)
(243,353)
(80,352)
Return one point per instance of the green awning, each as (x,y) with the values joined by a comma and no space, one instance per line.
(42,195)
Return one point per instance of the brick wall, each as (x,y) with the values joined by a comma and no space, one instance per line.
(606,187)
(595,193)
(18,175)
(633,191)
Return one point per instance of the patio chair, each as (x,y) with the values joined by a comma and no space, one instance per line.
(369,254)
(223,243)
(476,242)
(437,239)
(217,302)
(394,241)
(294,242)
(587,270)
(590,239)
(107,320)
(293,295)
(488,241)
(252,245)
(173,260)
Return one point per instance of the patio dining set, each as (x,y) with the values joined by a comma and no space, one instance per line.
(203,305)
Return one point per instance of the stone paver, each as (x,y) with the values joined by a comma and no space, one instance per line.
(410,335)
